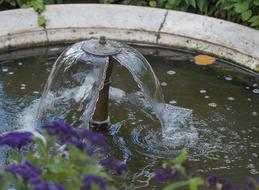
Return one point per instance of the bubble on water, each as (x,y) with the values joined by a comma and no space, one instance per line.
(22,87)
(20,63)
(4,69)
(256,91)
(203,91)
(171,72)
(231,98)
(254,155)
(36,92)
(206,97)
(228,77)
(173,102)
(247,87)
(255,85)
(254,113)
(228,108)
(10,73)
(163,84)
(253,171)
(212,104)
(133,123)
(54,49)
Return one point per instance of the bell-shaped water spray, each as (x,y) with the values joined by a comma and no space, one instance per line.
(80,79)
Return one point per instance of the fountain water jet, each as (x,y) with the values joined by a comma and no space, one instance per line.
(80,80)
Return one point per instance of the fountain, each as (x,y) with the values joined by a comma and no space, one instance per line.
(80,80)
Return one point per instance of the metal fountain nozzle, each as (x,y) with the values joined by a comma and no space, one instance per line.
(101,47)
(105,48)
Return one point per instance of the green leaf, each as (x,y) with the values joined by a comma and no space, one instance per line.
(246,15)
(176,185)
(254,18)
(255,24)
(203,6)
(172,2)
(256,2)
(194,183)
(152,3)
(182,157)
(42,21)
(241,7)
(193,3)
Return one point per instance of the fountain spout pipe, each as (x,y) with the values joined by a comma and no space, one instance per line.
(101,114)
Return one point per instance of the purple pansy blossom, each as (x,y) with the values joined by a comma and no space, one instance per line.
(95,139)
(113,164)
(61,129)
(83,146)
(89,180)
(166,175)
(25,170)
(16,139)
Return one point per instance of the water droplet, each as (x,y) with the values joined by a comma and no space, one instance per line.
(171,72)
(203,91)
(20,63)
(10,73)
(231,98)
(54,49)
(23,85)
(228,77)
(247,87)
(256,91)
(173,102)
(254,113)
(253,171)
(254,155)
(212,104)
(206,97)
(228,108)
(133,123)
(255,85)
(4,69)
(163,84)
(23,88)
(35,92)
(250,166)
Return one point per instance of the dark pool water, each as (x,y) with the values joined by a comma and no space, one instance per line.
(221,102)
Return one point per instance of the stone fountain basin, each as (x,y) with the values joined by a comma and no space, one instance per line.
(75,22)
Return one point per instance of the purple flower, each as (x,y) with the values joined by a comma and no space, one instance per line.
(25,170)
(91,179)
(113,164)
(62,130)
(44,185)
(166,175)
(95,139)
(83,146)
(212,180)
(16,139)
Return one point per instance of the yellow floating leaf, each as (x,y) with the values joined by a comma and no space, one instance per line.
(204,60)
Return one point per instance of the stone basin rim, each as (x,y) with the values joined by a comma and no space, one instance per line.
(68,23)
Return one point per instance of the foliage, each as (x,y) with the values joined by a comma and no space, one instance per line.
(37,5)
(71,159)
(241,11)
(174,176)
(67,159)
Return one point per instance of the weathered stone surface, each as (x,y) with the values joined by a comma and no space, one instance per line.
(74,22)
